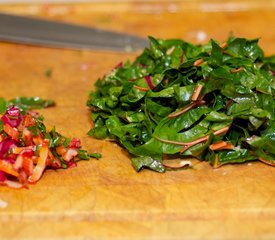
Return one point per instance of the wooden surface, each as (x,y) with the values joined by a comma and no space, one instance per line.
(107,199)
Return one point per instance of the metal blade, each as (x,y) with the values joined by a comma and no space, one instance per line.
(34,31)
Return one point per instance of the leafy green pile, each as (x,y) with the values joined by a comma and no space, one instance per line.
(214,102)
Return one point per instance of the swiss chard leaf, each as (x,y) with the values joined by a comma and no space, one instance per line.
(25,103)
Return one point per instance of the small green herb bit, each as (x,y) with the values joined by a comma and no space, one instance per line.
(3,105)
(25,103)
(214,102)
(48,72)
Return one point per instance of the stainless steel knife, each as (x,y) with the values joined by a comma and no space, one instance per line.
(36,31)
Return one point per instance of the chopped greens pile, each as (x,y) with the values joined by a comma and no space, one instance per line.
(27,148)
(214,102)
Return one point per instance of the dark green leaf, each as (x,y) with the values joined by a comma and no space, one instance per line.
(3,105)
(26,103)
(147,162)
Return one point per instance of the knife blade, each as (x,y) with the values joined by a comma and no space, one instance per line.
(36,31)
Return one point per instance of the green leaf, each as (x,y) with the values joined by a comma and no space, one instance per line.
(216,57)
(26,103)
(147,162)
(3,105)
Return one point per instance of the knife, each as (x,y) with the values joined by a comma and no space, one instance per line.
(36,31)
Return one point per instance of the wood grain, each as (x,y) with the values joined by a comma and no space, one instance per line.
(106,198)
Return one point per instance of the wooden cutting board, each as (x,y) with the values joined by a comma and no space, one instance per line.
(106,198)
